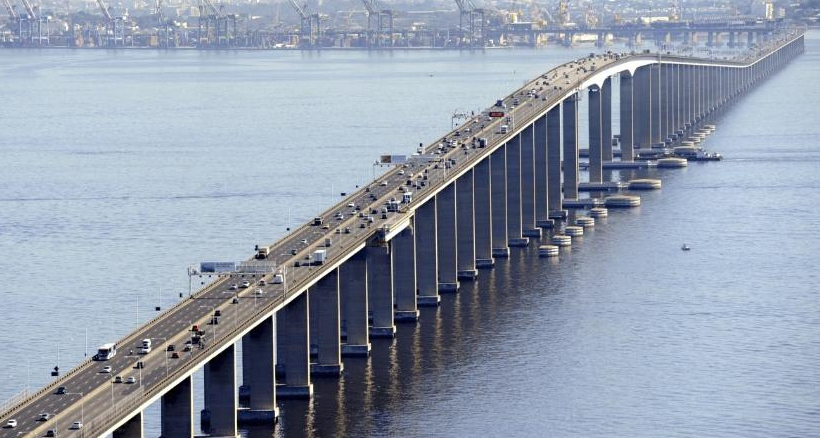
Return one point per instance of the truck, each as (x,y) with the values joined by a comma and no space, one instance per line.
(319,256)
(392,205)
(482,142)
(505,129)
(262,252)
(317,220)
(407,198)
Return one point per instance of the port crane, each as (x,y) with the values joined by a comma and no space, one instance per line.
(13,17)
(309,24)
(27,24)
(384,23)
(475,22)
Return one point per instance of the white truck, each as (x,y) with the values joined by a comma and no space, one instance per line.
(319,256)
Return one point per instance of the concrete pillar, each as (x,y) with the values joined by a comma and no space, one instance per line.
(606,120)
(221,402)
(447,239)
(627,139)
(642,112)
(353,286)
(258,359)
(498,187)
(325,298)
(427,254)
(404,275)
(655,105)
(554,199)
(131,429)
(483,215)
(465,226)
(569,108)
(177,411)
(295,340)
(595,136)
(380,290)
(514,231)
(528,227)
(542,207)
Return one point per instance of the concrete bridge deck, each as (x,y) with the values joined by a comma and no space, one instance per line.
(106,407)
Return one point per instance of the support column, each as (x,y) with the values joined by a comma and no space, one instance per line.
(258,359)
(177,411)
(606,120)
(427,254)
(498,187)
(655,105)
(514,232)
(325,298)
(353,284)
(528,227)
(542,208)
(571,171)
(131,429)
(595,145)
(483,215)
(627,139)
(404,275)
(221,402)
(642,113)
(380,289)
(295,340)
(447,239)
(465,232)
(554,200)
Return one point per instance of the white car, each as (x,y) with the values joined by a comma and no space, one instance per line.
(76,425)
(246,283)
(234,286)
(11,424)
(131,379)
(383,183)
(259,292)
(106,369)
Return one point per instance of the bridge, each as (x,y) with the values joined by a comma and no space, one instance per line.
(504,177)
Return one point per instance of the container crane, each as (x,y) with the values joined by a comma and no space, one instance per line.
(469,10)
(309,24)
(384,22)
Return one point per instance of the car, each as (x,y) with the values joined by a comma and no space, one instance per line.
(131,379)
(44,416)
(259,292)
(105,369)
(246,283)
(347,230)
(338,231)
(383,183)
(60,390)
(234,286)
(304,241)
(77,425)
(325,227)
(51,432)
(351,205)
(293,251)
(175,355)
(187,347)
(170,347)
(118,379)
(362,225)
(235,300)
(401,172)
(11,424)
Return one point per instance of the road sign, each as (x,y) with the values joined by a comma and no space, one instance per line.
(392,159)
(496,114)
(217,267)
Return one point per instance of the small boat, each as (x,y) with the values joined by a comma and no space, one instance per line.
(685,247)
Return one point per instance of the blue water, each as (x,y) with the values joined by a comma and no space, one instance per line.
(118,169)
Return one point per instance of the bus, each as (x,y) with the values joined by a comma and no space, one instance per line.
(106,352)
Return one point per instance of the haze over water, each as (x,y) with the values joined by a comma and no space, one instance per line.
(118,169)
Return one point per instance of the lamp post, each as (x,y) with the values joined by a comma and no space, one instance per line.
(82,409)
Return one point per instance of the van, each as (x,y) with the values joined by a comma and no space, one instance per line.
(317,220)
(262,252)
(505,129)
(146,346)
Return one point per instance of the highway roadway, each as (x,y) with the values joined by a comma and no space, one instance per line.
(92,397)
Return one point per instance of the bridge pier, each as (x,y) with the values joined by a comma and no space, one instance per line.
(427,254)
(258,359)
(295,343)
(177,411)
(595,146)
(483,215)
(404,275)
(571,171)
(353,284)
(131,429)
(528,223)
(641,113)
(325,299)
(655,105)
(541,175)
(219,414)
(447,239)
(498,187)
(554,197)
(514,232)
(606,120)
(626,136)
(465,232)
(380,289)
